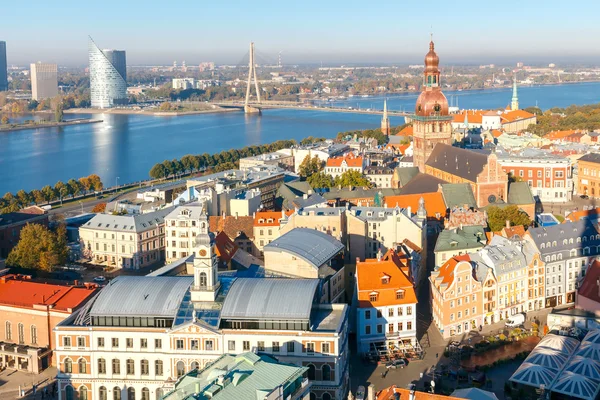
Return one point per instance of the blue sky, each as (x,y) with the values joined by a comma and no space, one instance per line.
(332,31)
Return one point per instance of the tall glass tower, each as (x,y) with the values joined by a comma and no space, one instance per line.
(3,67)
(108,77)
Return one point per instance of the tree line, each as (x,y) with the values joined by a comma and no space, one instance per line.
(311,170)
(227,159)
(573,117)
(61,190)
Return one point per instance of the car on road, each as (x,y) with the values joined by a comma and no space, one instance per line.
(360,393)
(515,321)
(584,197)
(394,364)
(100,279)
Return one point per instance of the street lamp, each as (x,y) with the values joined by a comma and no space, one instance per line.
(116,184)
(81,202)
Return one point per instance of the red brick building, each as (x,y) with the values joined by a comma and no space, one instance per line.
(482,171)
(29,311)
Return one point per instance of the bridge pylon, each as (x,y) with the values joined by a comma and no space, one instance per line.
(248,109)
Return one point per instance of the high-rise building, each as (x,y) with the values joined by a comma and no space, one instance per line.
(431,122)
(108,77)
(3,67)
(44,81)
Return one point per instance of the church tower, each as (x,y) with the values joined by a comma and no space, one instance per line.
(206,282)
(514,103)
(431,122)
(385,121)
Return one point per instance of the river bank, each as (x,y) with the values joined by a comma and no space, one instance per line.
(156,113)
(21,127)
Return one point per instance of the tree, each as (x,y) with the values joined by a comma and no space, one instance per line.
(39,248)
(48,193)
(514,178)
(188,162)
(23,198)
(99,208)
(5,120)
(38,196)
(85,183)
(61,190)
(95,182)
(310,166)
(158,171)
(497,217)
(166,106)
(59,113)
(352,178)
(74,187)
(169,167)
(320,180)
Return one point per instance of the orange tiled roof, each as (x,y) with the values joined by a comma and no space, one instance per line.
(406,131)
(14,291)
(512,116)
(232,225)
(369,274)
(473,116)
(577,215)
(554,135)
(269,218)
(351,161)
(225,248)
(496,133)
(518,230)
(447,270)
(388,394)
(434,202)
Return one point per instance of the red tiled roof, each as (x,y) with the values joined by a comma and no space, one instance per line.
(406,131)
(351,161)
(577,215)
(512,116)
(434,202)
(447,270)
(273,216)
(589,287)
(224,246)
(232,226)
(473,116)
(496,133)
(388,394)
(21,292)
(518,230)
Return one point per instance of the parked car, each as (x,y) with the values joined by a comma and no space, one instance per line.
(515,321)
(394,364)
(360,393)
(584,196)
(100,279)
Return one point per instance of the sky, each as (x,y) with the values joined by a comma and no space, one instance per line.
(329,31)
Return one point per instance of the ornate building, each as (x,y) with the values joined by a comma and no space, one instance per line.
(431,122)
(385,121)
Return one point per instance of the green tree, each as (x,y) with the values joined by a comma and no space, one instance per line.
(497,217)
(61,190)
(48,193)
(4,120)
(23,198)
(38,196)
(310,166)
(320,180)
(352,178)
(59,113)
(169,167)
(85,183)
(74,187)
(188,162)
(158,171)
(514,178)
(38,248)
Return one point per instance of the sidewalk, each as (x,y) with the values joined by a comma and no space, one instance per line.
(11,381)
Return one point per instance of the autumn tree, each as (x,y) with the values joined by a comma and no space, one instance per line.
(23,198)
(320,180)
(5,120)
(95,182)
(61,190)
(48,193)
(497,217)
(74,187)
(310,166)
(99,208)
(352,178)
(38,196)
(59,113)
(158,171)
(39,248)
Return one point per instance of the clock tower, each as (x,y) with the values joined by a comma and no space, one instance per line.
(431,122)
(206,282)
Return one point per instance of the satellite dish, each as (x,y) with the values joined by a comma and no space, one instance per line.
(492,198)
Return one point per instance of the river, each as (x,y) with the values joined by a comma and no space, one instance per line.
(126,146)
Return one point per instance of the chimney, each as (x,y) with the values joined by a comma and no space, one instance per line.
(310,191)
(507,224)
(358,260)
(411,395)
(379,255)
(371,392)
(305,196)
(408,210)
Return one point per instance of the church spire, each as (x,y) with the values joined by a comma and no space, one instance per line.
(385,121)
(514,103)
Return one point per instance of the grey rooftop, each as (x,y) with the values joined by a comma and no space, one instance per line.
(128,223)
(270,299)
(312,246)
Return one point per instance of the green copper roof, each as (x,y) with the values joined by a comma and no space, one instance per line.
(458,195)
(465,238)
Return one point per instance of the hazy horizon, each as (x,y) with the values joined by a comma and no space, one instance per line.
(336,32)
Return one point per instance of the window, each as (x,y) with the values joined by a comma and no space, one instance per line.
(179,344)
(409,325)
(400,295)
(145,367)
(102,393)
(158,367)
(390,312)
(116,366)
(129,343)
(130,393)
(145,394)
(246,345)
(21,331)
(83,393)
(310,347)
(68,366)
(409,310)
(116,393)
(291,347)
(400,311)
(33,330)
(100,342)
(115,342)
(101,366)
(379,329)
(326,373)
(80,341)
(325,348)
(367,314)
(194,344)
(180,369)
(260,346)
(66,339)
(367,329)
(158,343)
(231,345)
(373,297)
(275,347)
(130,367)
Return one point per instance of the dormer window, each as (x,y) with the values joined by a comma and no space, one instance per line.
(270,220)
(400,294)
(385,279)
(373,296)
(261,221)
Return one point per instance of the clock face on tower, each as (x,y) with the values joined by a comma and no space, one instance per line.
(202,253)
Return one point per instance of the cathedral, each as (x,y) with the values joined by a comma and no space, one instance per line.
(431,122)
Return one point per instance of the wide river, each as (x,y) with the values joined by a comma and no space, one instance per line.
(126,146)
